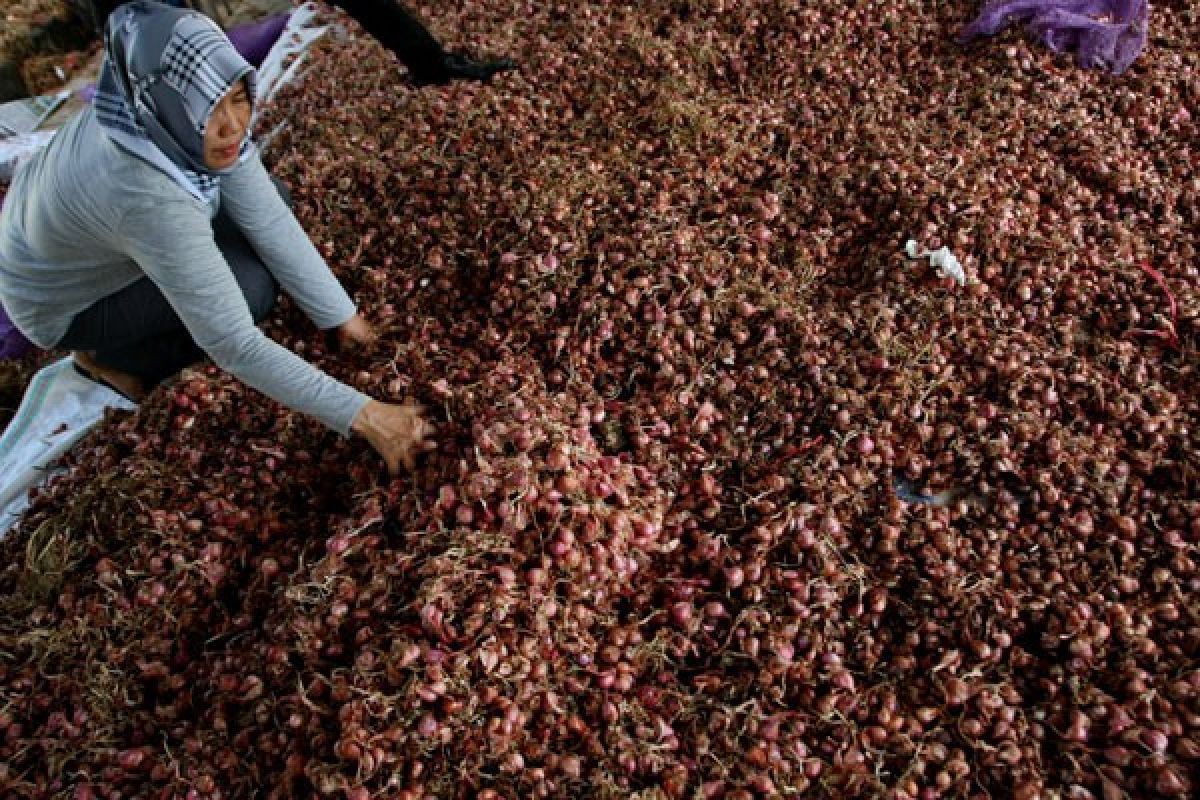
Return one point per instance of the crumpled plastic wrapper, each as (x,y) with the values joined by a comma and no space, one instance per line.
(1102,33)
(941,259)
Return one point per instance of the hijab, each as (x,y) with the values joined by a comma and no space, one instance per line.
(164,71)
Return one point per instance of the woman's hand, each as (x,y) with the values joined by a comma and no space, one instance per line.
(398,432)
(356,331)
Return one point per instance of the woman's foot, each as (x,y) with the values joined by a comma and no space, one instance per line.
(120,382)
(458,67)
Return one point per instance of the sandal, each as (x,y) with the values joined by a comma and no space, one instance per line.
(83,372)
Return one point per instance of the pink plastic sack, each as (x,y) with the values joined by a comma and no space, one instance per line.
(1103,33)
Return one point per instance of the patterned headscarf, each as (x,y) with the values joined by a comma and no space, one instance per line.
(165,69)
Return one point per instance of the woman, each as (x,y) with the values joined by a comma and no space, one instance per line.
(396,28)
(109,246)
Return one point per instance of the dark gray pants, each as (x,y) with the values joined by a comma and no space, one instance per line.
(136,331)
(389,21)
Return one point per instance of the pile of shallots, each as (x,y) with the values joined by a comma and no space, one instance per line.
(731,499)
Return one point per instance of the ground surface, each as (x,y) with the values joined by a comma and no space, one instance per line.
(732,499)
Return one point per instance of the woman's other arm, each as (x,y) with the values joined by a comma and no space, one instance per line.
(172,241)
(251,200)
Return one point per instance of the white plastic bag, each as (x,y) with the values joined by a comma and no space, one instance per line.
(58,408)
(15,149)
(297,37)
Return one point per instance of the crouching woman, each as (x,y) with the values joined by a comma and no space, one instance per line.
(148,234)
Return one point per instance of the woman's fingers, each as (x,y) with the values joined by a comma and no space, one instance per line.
(398,432)
(357,331)
(418,442)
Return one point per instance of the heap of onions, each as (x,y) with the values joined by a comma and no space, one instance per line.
(731,499)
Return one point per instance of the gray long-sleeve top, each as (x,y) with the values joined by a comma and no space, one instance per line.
(84,219)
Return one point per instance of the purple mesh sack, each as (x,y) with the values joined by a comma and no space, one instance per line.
(255,39)
(13,343)
(1103,33)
